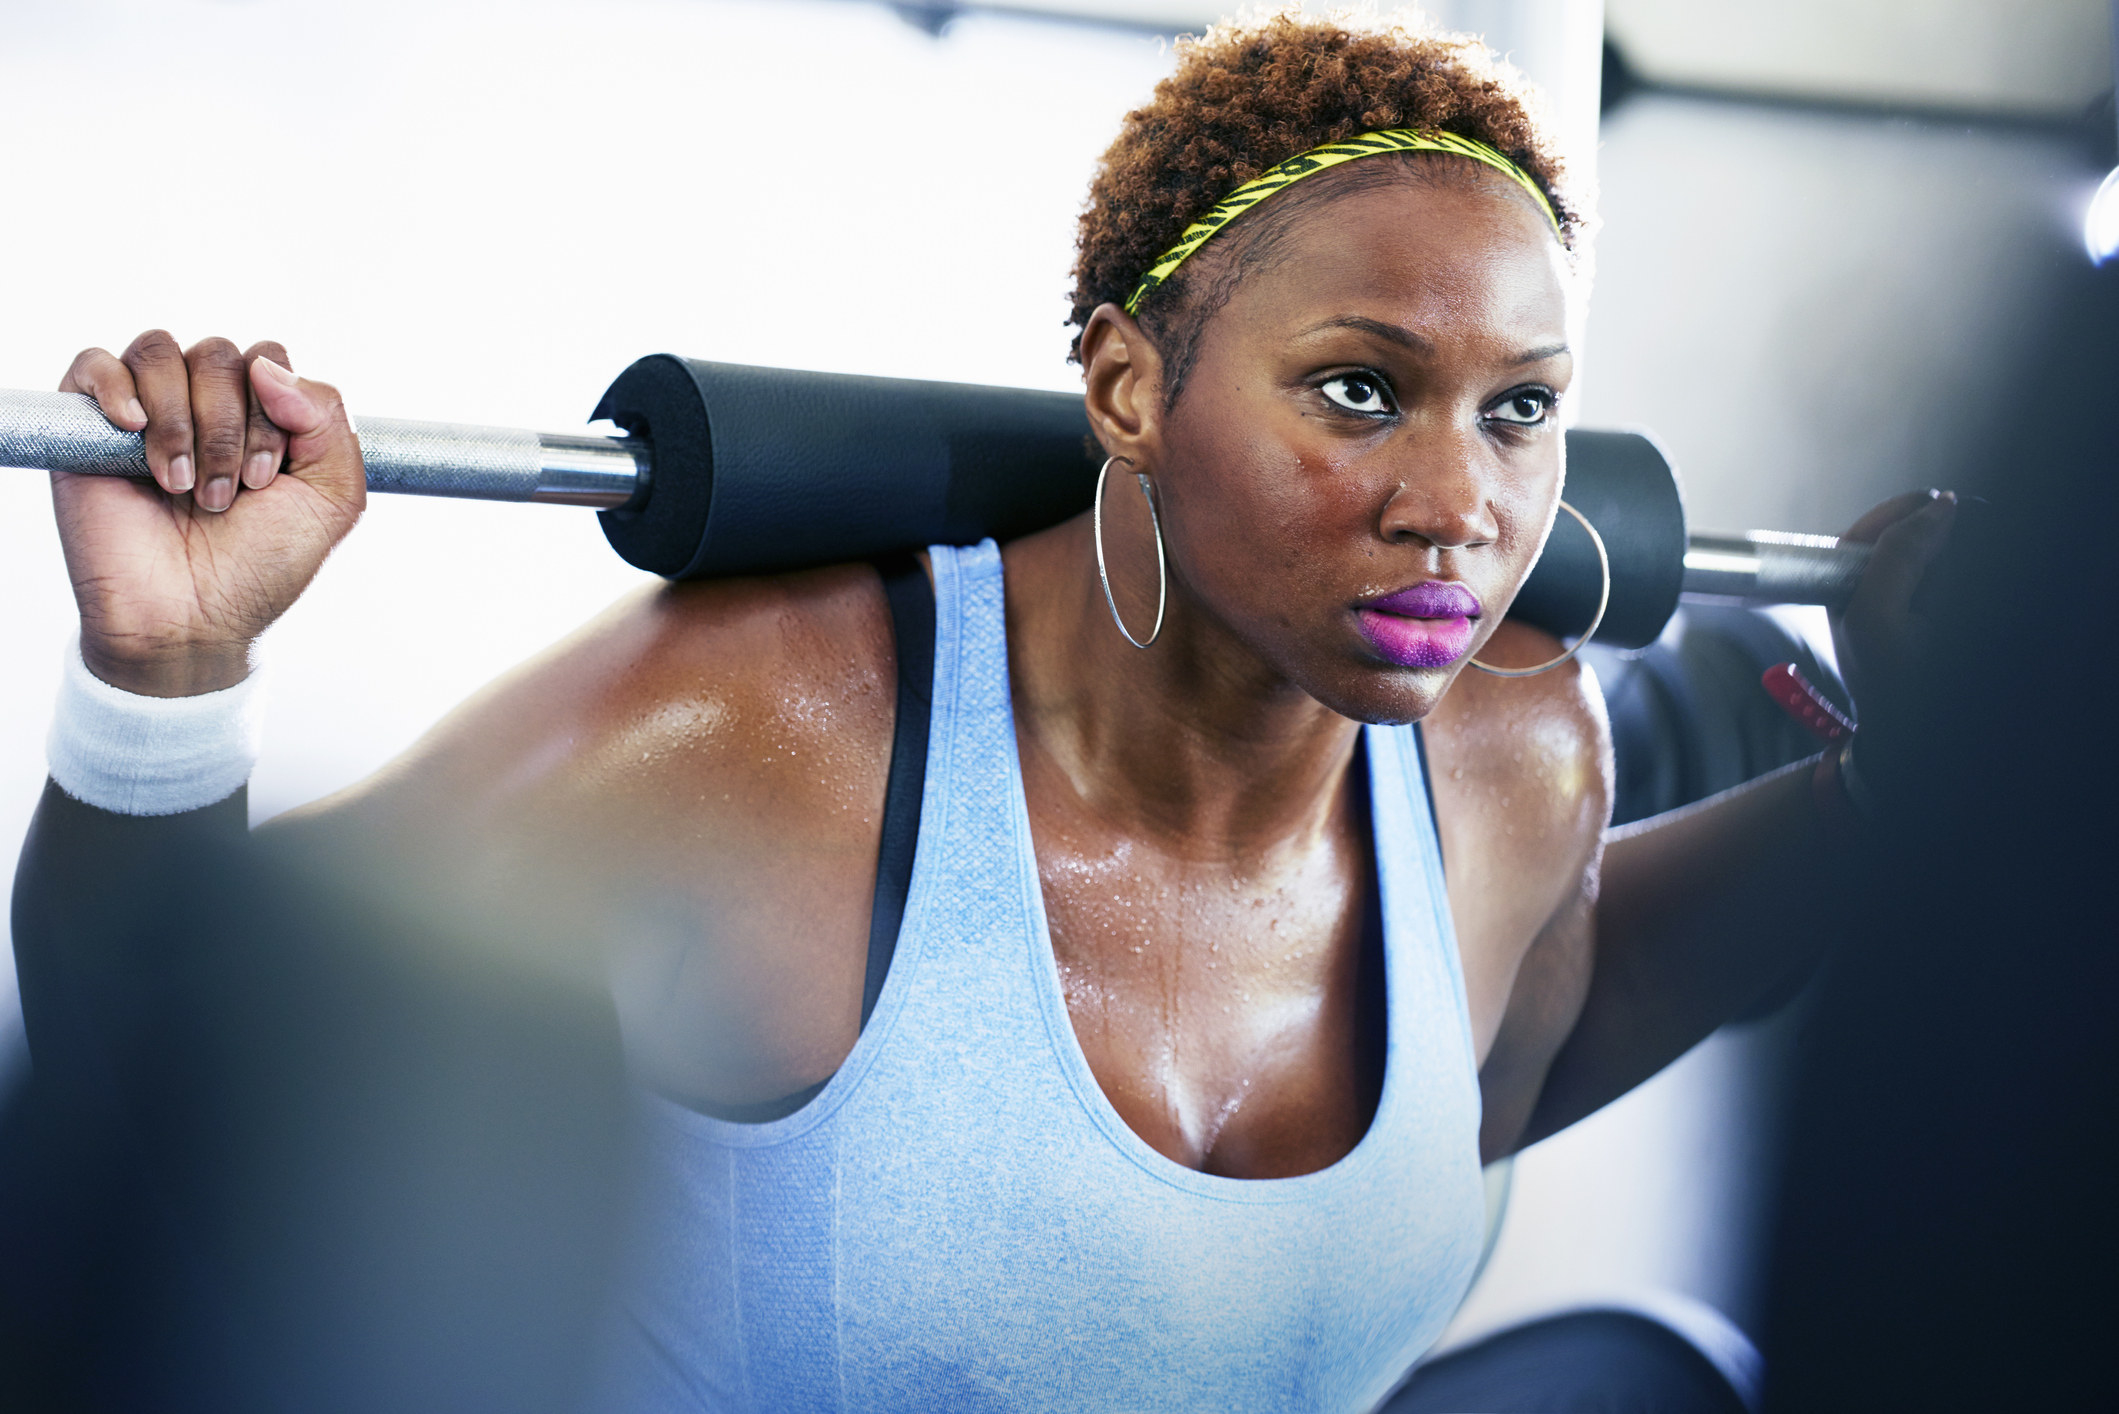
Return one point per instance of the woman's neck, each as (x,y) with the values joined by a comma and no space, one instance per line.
(1193,742)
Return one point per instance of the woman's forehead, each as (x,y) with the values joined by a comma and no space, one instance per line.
(1428,251)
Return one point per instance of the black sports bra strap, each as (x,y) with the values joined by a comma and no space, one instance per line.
(911,599)
(912,618)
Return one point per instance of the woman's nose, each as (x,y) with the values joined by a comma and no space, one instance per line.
(1442,499)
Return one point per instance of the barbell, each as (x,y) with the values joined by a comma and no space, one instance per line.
(727,469)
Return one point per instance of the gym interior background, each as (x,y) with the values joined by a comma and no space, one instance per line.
(1818,215)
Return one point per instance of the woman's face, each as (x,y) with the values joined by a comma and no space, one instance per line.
(1366,455)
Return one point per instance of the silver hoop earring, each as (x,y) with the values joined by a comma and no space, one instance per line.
(1603,603)
(1162,569)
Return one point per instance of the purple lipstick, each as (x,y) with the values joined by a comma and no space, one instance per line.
(1426,626)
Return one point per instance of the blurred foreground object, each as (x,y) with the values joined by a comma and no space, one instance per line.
(290,1143)
(1947,1231)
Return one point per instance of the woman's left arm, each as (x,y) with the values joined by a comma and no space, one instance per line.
(1698,914)
(1694,915)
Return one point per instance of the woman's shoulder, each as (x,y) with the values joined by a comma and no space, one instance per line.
(695,782)
(1527,757)
(1522,774)
(791,642)
(774,686)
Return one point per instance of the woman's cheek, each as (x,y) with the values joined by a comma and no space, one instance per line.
(1235,521)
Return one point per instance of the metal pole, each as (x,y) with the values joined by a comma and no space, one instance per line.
(66,432)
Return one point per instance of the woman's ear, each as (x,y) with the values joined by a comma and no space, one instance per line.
(1122,377)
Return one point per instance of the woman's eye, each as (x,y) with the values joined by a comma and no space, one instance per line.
(1359,392)
(1525,409)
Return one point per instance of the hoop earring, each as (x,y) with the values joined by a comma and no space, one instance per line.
(1603,603)
(1162,569)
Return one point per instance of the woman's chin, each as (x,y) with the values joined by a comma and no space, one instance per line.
(1383,695)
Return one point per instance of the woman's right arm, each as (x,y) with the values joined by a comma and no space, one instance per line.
(257,475)
(694,780)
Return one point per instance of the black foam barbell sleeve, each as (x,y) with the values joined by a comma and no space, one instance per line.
(765,469)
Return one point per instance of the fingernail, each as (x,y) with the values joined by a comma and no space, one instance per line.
(273,371)
(258,470)
(217,494)
(180,474)
(134,412)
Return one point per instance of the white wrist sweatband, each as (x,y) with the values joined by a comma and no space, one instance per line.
(134,755)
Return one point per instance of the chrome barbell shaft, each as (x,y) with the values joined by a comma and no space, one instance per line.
(67,432)
(1769,567)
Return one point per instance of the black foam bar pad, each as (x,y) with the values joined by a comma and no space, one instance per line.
(1628,490)
(758,470)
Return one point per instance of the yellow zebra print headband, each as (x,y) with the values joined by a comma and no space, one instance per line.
(1319,159)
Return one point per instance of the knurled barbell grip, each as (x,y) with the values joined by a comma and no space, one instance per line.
(67,432)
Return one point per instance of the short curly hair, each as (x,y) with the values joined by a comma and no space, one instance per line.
(1250,94)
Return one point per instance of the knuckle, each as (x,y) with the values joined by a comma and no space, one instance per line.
(215,354)
(154,346)
(269,348)
(169,417)
(221,439)
(89,369)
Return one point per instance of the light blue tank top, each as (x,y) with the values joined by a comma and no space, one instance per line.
(960,1221)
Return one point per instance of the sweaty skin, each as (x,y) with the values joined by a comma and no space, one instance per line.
(698,777)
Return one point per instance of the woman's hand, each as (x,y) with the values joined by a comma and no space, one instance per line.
(257,475)
(1878,636)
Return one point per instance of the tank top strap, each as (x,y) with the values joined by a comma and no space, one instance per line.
(971,642)
(1426,975)
(974,855)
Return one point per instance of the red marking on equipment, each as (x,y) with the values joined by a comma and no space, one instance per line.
(1786,685)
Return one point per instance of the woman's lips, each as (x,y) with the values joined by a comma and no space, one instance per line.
(1434,599)
(1426,626)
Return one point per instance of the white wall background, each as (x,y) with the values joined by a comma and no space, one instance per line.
(2051,57)
(481,212)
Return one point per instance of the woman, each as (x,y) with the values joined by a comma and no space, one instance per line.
(1167,1081)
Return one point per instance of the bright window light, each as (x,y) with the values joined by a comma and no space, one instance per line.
(2100,229)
